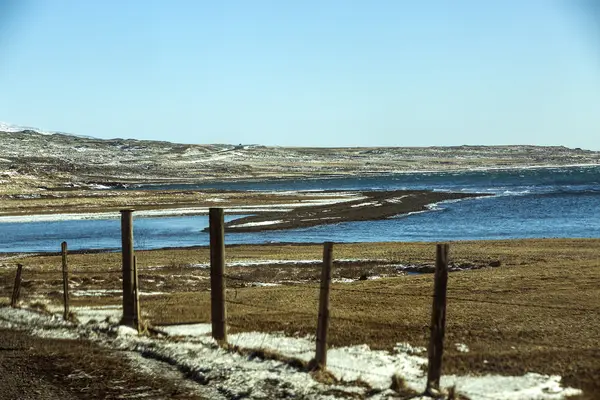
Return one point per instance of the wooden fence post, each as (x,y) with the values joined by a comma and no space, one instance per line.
(438,320)
(127,255)
(136,289)
(17,288)
(65,272)
(217,268)
(323,322)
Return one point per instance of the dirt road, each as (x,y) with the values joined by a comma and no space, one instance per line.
(40,369)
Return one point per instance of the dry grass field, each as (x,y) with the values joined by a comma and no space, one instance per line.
(538,311)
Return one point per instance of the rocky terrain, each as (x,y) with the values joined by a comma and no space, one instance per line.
(33,161)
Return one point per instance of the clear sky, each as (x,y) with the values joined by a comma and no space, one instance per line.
(306,72)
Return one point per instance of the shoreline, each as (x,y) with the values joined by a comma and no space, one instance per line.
(355,174)
(8,255)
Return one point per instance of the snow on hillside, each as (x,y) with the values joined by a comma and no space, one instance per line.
(6,127)
(228,374)
(58,161)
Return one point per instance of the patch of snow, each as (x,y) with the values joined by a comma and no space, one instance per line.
(99,187)
(369,203)
(354,195)
(11,128)
(258,263)
(263,284)
(320,219)
(327,202)
(95,292)
(396,200)
(461,347)
(377,367)
(261,223)
(187,330)
(408,348)
(254,209)
(342,280)
(123,330)
(528,386)
(237,375)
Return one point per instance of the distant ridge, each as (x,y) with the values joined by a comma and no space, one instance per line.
(12,128)
(38,161)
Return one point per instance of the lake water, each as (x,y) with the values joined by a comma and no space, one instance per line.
(528,203)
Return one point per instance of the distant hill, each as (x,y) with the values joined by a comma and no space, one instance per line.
(31,159)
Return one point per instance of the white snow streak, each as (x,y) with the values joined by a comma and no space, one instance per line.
(236,374)
(261,223)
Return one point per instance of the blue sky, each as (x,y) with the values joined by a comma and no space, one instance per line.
(313,72)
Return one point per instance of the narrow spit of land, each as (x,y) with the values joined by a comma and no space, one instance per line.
(269,211)
(372,205)
(518,305)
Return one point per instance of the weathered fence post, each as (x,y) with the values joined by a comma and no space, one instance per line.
(17,289)
(136,289)
(65,273)
(217,268)
(127,254)
(438,320)
(323,322)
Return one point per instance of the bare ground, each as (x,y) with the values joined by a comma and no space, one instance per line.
(32,368)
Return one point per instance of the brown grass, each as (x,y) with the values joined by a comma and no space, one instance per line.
(399,386)
(538,312)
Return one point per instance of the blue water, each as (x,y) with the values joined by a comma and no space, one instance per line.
(538,180)
(528,203)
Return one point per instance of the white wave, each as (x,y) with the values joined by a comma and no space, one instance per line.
(515,192)
(430,172)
